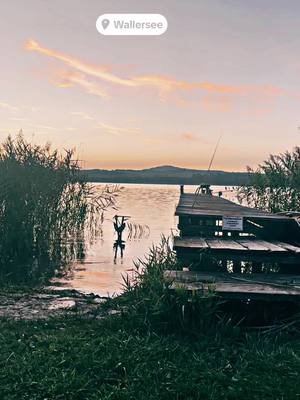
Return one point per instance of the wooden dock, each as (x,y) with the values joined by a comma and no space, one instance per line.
(274,287)
(242,242)
(240,249)
(210,206)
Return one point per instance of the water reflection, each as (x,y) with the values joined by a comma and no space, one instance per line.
(119,246)
(119,225)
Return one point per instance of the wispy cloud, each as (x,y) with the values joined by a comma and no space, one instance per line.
(82,115)
(20,119)
(167,84)
(217,103)
(100,72)
(116,130)
(68,79)
(108,128)
(46,127)
(164,85)
(52,128)
(191,137)
(32,108)
(8,106)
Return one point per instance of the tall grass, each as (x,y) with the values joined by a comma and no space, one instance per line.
(275,185)
(45,208)
(149,302)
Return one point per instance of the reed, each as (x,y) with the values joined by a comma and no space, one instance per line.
(46,210)
(275,185)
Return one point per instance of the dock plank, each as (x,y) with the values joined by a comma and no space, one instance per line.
(271,246)
(192,242)
(238,286)
(208,276)
(245,291)
(288,246)
(253,245)
(236,245)
(225,244)
(208,205)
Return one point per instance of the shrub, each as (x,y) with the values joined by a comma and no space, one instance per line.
(275,185)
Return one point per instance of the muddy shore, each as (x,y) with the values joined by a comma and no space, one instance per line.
(44,303)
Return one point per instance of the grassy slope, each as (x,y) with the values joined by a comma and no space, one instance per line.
(109,359)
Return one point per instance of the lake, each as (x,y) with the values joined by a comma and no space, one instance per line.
(151,209)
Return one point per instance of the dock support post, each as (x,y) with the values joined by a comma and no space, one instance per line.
(256,267)
(224,265)
(236,266)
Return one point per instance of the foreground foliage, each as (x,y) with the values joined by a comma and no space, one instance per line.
(156,345)
(45,207)
(275,185)
(81,359)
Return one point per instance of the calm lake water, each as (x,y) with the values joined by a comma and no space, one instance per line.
(152,207)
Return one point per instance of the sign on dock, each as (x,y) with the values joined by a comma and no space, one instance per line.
(232,223)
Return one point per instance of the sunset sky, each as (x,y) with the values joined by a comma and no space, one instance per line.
(224,67)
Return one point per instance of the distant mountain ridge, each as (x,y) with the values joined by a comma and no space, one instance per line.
(167,174)
(171,168)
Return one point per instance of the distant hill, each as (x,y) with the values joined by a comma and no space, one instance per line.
(166,168)
(167,174)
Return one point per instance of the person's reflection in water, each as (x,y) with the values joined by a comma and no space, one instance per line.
(119,226)
(119,245)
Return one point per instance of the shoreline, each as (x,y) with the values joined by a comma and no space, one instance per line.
(42,303)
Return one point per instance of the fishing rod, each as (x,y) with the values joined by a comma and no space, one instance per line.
(214,153)
(197,192)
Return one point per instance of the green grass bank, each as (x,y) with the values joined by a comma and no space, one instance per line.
(149,344)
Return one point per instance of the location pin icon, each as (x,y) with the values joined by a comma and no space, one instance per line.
(105,23)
